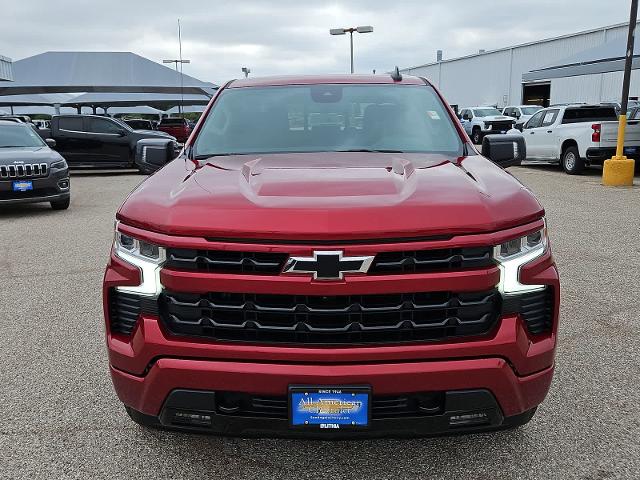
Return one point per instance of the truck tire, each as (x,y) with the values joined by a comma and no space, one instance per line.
(571,161)
(476,136)
(61,204)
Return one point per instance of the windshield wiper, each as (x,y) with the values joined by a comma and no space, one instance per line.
(13,146)
(371,150)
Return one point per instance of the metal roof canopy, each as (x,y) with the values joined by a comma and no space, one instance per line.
(162,101)
(608,57)
(35,99)
(57,72)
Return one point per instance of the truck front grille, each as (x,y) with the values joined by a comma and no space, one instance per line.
(501,126)
(348,319)
(226,261)
(29,170)
(268,263)
(432,260)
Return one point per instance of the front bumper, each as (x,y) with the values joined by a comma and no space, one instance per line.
(507,394)
(513,365)
(47,189)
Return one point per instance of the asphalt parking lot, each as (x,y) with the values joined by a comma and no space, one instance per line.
(60,417)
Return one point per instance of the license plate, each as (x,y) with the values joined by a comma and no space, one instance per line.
(22,185)
(329,407)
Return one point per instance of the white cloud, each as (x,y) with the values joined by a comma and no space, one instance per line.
(292,36)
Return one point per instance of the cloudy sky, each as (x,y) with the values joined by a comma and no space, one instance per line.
(292,36)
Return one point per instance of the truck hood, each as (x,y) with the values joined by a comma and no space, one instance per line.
(155,133)
(9,156)
(496,118)
(329,196)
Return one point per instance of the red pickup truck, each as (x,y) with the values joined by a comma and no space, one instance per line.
(176,127)
(331,257)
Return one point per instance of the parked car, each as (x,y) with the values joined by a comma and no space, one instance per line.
(521,113)
(176,127)
(140,124)
(17,118)
(480,121)
(30,172)
(576,136)
(96,141)
(277,269)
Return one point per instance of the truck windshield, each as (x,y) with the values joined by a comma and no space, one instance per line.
(19,135)
(328,117)
(486,112)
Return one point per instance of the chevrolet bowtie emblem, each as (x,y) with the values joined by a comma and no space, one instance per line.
(328,265)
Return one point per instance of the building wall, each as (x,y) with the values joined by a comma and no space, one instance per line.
(602,87)
(5,68)
(495,77)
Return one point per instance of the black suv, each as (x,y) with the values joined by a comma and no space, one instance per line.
(30,171)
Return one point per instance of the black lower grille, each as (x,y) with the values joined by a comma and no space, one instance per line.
(408,405)
(125,309)
(350,319)
(535,309)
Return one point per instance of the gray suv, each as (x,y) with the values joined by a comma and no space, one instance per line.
(30,171)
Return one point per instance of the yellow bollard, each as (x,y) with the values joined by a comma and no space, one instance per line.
(618,170)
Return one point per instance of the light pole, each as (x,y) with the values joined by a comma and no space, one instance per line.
(350,30)
(619,170)
(181,62)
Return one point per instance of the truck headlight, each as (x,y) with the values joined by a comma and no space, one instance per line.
(515,253)
(144,255)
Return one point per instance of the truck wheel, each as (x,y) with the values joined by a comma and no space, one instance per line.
(61,204)
(476,136)
(571,161)
(140,418)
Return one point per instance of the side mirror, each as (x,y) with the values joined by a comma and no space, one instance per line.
(51,142)
(121,133)
(154,153)
(504,150)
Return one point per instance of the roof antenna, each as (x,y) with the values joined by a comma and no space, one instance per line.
(396,75)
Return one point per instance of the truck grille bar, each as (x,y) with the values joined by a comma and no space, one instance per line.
(268,263)
(28,170)
(349,319)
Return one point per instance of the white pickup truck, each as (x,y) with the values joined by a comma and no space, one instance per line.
(577,136)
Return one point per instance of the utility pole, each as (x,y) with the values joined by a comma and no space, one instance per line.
(619,170)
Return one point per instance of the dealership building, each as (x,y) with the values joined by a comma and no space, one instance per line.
(580,67)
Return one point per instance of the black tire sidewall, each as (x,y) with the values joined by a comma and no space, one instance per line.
(579,164)
(61,204)
(476,132)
